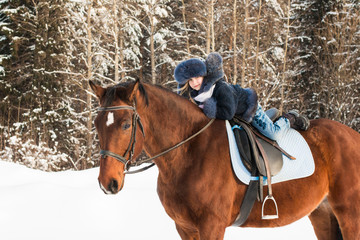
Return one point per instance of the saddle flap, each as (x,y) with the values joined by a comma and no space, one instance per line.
(242,141)
(250,154)
(274,156)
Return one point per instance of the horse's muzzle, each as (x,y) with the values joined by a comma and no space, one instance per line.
(112,188)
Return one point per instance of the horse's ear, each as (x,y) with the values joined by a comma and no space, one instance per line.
(97,89)
(134,90)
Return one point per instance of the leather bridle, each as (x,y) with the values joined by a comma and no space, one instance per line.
(131,147)
(130,150)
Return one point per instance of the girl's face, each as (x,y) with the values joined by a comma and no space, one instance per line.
(195,83)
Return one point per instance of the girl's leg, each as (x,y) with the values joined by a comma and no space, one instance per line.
(264,124)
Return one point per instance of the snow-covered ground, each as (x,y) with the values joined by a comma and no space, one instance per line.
(36,205)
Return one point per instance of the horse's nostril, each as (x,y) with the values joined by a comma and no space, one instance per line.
(113,186)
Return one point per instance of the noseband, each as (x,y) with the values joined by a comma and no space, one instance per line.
(130,150)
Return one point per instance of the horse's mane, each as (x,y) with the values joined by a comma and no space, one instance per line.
(121,88)
(121,91)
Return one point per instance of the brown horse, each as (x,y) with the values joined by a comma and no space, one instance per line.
(196,183)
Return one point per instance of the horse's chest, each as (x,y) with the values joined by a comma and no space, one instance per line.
(177,205)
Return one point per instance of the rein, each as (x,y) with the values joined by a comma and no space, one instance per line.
(130,150)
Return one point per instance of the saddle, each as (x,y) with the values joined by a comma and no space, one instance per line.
(262,157)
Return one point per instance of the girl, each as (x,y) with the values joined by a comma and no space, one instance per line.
(203,83)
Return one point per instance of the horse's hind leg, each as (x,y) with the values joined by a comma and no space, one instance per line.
(344,190)
(325,224)
(347,210)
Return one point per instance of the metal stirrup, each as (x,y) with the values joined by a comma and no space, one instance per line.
(269,217)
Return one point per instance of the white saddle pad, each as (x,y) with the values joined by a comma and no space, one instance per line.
(293,143)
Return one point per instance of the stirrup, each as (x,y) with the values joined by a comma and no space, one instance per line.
(269,217)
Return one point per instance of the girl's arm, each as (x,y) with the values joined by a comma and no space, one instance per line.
(222,104)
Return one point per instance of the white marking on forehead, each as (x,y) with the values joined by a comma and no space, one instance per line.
(110,119)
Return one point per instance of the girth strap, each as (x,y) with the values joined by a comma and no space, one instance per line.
(248,201)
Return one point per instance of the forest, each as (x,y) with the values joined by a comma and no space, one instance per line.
(297,54)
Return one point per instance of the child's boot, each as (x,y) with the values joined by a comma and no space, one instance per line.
(297,121)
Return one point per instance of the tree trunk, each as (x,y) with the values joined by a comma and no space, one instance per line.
(152,50)
(19,110)
(121,35)
(234,42)
(2,131)
(257,48)
(141,71)
(116,41)
(212,27)
(8,122)
(208,31)
(88,96)
(246,43)
(185,28)
(283,82)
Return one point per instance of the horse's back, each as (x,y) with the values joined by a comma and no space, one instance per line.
(335,143)
(332,125)
(331,134)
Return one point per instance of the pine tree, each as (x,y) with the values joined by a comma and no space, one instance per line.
(35,33)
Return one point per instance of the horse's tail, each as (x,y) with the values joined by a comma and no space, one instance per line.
(325,222)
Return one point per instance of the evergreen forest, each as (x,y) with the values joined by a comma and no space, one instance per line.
(297,54)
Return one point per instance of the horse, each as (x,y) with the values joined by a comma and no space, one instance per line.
(196,183)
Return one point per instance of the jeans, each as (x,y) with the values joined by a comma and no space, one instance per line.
(271,130)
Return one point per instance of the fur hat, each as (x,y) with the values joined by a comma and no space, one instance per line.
(187,69)
(214,67)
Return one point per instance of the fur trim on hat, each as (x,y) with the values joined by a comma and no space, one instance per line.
(187,69)
(214,63)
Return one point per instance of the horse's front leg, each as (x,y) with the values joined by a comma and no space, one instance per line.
(187,234)
(207,230)
(212,230)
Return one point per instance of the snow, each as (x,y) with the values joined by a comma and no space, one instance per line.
(277,7)
(279,53)
(36,205)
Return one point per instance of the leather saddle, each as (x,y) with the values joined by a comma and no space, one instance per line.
(250,155)
(262,157)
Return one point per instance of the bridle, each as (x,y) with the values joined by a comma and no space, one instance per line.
(130,150)
(131,147)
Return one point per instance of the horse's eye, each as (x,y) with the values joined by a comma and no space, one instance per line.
(126,126)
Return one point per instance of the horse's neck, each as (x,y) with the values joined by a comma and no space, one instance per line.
(169,119)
